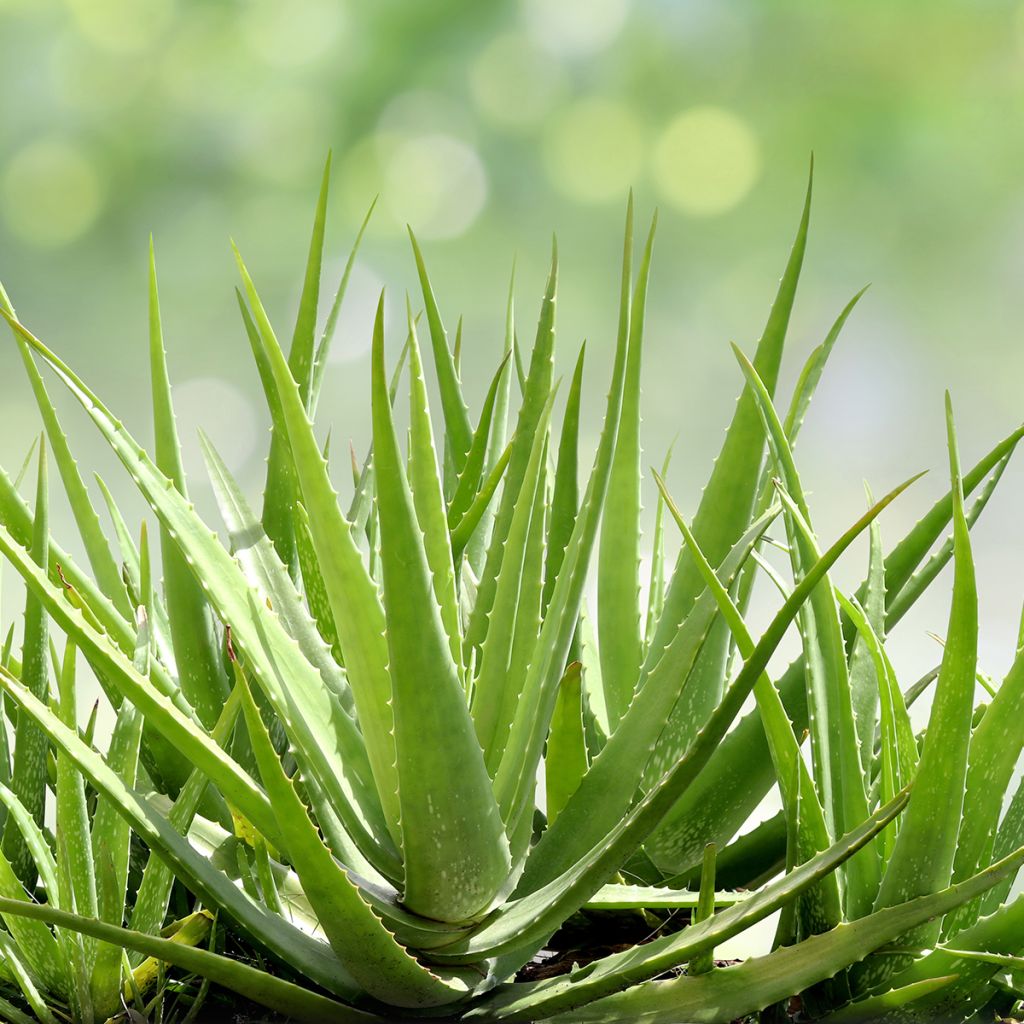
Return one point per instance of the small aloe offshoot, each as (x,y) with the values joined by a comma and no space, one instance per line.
(332,723)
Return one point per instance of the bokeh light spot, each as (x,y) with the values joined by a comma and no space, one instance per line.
(51,193)
(706,161)
(293,36)
(575,27)
(122,27)
(593,149)
(436,183)
(512,83)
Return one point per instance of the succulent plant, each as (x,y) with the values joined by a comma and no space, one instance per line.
(387,743)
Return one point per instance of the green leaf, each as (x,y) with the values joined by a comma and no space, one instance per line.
(497,687)
(834,743)
(865,683)
(76,878)
(728,499)
(111,839)
(305,953)
(821,909)
(922,860)
(380,965)
(194,631)
(618,565)
(566,761)
(565,497)
(741,773)
(458,430)
(353,595)
(656,587)
(279,493)
(611,784)
(233,974)
(28,780)
(455,852)
(534,917)
(535,398)
(538,1000)
(96,547)
(428,500)
(738,991)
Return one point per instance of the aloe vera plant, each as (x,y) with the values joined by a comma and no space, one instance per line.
(383,736)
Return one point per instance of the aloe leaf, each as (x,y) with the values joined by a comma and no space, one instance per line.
(565,493)
(922,860)
(380,965)
(820,910)
(38,846)
(235,975)
(30,747)
(266,572)
(179,729)
(535,916)
(462,532)
(455,853)
(76,878)
(565,763)
(151,900)
(307,954)
(897,745)
(535,397)
(96,546)
(324,346)
(538,1000)
(497,689)
(996,744)
(428,500)
(656,586)
(611,783)
(618,564)
(477,552)
(11,949)
(740,774)
(193,626)
(458,430)
(728,498)
(280,491)
(353,595)
(637,897)
(864,681)
(111,839)
(834,743)
(875,1009)
(738,991)
(476,468)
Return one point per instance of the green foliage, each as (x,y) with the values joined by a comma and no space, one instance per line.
(331,726)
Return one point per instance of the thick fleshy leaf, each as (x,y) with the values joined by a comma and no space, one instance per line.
(922,860)
(455,852)
(28,780)
(834,744)
(618,562)
(353,595)
(279,493)
(458,430)
(538,1000)
(194,630)
(380,965)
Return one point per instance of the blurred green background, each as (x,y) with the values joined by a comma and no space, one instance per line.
(487,126)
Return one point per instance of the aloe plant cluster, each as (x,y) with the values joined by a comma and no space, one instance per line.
(383,741)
